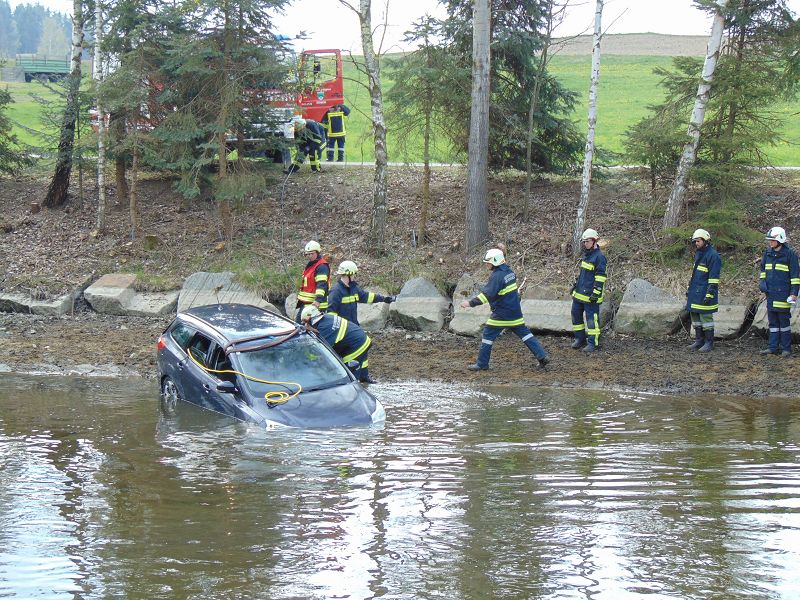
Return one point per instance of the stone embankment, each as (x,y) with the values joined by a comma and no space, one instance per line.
(645,310)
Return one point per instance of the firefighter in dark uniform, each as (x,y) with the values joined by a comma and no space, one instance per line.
(500,292)
(315,281)
(345,295)
(780,282)
(308,139)
(587,294)
(333,121)
(702,297)
(347,339)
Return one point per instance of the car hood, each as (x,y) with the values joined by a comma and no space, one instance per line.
(340,406)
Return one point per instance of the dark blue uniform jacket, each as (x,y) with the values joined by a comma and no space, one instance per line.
(343,300)
(780,277)
(347,339)
(703,293)
(500,292)
(591,277)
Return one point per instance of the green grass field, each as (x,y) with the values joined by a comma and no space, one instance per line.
(627,87)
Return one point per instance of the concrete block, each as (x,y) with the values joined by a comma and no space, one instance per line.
(153,304)
(199,290)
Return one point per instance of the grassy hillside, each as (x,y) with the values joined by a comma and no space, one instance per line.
(627,87)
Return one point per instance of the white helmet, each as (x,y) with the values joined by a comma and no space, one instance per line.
(347,267)
(495,257)
(778,234)
(590,234)
(309,313)
(701,234)
(313,246)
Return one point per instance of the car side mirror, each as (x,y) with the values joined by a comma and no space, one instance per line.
(227,387)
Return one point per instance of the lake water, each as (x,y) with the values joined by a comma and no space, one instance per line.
(497,493)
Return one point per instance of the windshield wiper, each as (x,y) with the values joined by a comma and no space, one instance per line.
(325,386)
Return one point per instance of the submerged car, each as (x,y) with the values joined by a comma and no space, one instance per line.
(260,367)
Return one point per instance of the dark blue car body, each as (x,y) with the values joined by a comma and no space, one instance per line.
(259,367)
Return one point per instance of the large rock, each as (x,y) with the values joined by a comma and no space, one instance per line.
(201,289)
(373,317)
(761,323)
(545,309)
(419,307)
(111,294)
(25,303)
(468,321)
(115,294)
(290,305)
(647,310)
(729,319)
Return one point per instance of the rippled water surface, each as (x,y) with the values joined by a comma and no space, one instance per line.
(502,493)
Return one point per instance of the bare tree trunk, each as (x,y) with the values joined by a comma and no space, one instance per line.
(426,180)
(133,195)
(588,159)
(377,232)
(676,197)
(477,213)
(118,131)
(101,118)
(59,185)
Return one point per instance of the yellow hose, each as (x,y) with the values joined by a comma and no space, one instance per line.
(273,397)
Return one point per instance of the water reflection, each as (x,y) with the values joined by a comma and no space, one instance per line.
(519,493)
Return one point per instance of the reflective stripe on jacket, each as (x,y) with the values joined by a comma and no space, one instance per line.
(314,284)
(347,339)
(502,295)
(780,277)
(702,295)
(591,277)
(343,300)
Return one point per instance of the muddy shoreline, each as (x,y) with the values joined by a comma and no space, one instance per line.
(89,344)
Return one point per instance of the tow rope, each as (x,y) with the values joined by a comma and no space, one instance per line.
(272,397)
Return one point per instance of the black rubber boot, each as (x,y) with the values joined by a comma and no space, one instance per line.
(578,343)
(709,345)
(698,339)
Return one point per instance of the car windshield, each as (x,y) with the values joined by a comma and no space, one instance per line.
(302,359)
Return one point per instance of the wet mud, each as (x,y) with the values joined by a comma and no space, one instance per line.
(90,344)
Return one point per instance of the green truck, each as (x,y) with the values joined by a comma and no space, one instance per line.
(42,68)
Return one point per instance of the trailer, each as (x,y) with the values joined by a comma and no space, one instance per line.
(42,68)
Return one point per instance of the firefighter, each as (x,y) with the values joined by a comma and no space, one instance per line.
(345,295)
(315,281)
(500,292)
(702,297)
(587,294)
(347,339)
(333,121)
(308,139)
(780,282)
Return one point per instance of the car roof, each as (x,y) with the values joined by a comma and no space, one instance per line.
(241,321)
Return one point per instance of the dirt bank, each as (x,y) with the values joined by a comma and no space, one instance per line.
(87,343)
(48,253)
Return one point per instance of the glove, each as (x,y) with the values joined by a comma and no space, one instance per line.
(594,297)
(708,300)
(389,299)
(762,286)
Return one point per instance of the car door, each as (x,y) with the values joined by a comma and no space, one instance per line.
(201,382)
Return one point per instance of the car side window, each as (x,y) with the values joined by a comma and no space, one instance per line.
(182,333)
(219,361)
(198,348)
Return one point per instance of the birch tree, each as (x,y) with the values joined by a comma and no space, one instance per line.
(586,182)
(59,184)
(377,231)
(477,211)
(678,194)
